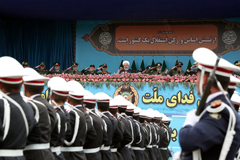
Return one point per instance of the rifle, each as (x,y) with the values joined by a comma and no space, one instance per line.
(207,89)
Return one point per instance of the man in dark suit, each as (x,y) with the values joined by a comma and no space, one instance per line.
(18,123)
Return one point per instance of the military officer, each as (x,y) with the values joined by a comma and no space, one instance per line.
(177,72)
(58,97)
(236,63)
(124,148)
(158,66)
(139,146)
(148,70)
(142,120)
(236,100)
(42,69)
(103,69)
(75,138)
(103,107)
(193,69)
(92,147)
(232,85)
(92,70)
(18,124)
(57,69)
(33,86)
(90,130)
(118,134)
(25,64)
(74,69)
(219,139)
(152,135)
(166,138)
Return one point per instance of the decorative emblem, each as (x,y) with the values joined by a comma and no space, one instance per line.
(105,38)
(128,92)
(215,115)
(229,37)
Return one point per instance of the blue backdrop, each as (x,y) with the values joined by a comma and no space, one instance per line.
(86,54)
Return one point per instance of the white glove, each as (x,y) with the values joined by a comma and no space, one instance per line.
(176,156)
(191,118)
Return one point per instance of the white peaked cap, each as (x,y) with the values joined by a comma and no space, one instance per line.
(130,108)
(102,97)
(157,114)
(206,60)
(137,111)
(59,86)
(166,119)
(126,62)
(235,98)
(77,91)
(11,71)
(150,113)
(119,101)
(233,82)
(143,114)
(89,97)
(34,78)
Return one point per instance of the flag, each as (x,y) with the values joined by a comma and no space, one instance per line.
(134,65)
(164,67)
(121,64)
(142,67)
(189,65)
(176,63)
(153,64)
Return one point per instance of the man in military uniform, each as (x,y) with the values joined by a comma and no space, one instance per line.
(166,138)
(236,63)
(92,147)
(92,70)
(58,97)
(25,64)
(139,145)
(74,69)
(103,107)
(75,138)
(193,69)
(103,69)
(57,69)
(117,134)
(158,66)
(177,72)
(17,118)
(42,69)
(148,70)
(33,86)
(219,124)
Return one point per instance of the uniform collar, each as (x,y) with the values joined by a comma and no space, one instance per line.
(214,95)
(35,95)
